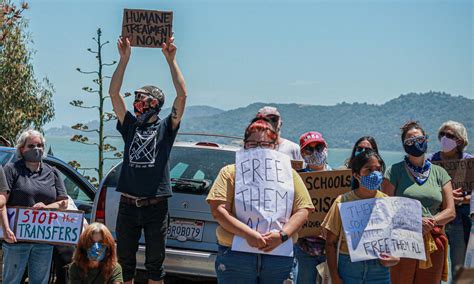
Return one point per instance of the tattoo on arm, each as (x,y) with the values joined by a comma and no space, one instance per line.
(174,113)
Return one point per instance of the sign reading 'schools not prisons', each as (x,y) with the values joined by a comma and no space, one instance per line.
(389,225)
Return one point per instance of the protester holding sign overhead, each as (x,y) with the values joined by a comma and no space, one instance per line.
(415,177)
(309,251)
(367,171)
(260,204)
(95,259)
(144,180)
(31,183)
(454,140)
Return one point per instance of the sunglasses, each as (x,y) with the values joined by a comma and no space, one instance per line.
(263,144)
(413,140)
(361,149)
(141,96)
(33,146)
(448,135)
(273,118)
(318,148)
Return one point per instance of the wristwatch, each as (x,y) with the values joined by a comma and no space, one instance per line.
(283,236)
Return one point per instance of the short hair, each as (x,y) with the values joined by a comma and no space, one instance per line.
(459,131)
(24,136)
(409,126)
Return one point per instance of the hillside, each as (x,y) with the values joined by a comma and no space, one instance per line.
(344,123)
(341,124)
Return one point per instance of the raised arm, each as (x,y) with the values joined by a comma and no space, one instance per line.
(124,48)
(169,51)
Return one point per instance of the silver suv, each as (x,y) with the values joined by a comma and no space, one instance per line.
(191,245)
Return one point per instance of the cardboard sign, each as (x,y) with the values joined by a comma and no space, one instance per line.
(11,213)
(147,28)
(323,187)
(389,225)
(296,164)
(46,225)
(264,194)
(461,172)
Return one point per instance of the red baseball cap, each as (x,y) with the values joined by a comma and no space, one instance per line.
(310,137)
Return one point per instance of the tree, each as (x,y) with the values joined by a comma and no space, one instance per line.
(25,101)
(9,14)
(102,146)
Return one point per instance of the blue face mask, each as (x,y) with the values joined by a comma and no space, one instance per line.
(96,252)
(372,181)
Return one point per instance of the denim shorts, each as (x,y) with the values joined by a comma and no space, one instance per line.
(131,220)
(235,267)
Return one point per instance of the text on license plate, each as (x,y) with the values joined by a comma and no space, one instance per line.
(183,230)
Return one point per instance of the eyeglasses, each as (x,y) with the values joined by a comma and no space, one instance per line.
(417,139)
(263,144)
(32,146)
(448,135)
(318,148)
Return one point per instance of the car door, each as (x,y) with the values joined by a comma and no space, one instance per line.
(81,191)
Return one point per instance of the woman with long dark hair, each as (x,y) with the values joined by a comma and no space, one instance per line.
(367,173)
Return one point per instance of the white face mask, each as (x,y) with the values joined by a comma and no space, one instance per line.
(447,144)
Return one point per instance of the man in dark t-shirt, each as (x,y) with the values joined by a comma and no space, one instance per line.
(144,181)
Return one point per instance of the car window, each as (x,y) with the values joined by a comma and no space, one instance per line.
(5,157)
(73,189)
(198,163)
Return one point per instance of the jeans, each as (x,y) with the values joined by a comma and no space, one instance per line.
(369,271)
(235,267)
(304,268)
(153,219)
(17,256)
(458,236)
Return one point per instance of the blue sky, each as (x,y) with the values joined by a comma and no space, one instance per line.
(233,53)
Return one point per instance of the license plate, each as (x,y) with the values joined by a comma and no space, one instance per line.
(185,230)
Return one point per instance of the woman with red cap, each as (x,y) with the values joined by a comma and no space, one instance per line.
(309,251)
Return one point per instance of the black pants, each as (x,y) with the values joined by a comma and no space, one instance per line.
(131,220)
(62,257)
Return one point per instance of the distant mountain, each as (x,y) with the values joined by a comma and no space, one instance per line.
(341,124)
(191,112)
(344,123)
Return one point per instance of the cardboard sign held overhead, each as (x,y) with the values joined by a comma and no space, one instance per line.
(323,187)
(147,28)
(461,172)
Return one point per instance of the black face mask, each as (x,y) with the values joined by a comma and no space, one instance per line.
(33,155)
(417,149)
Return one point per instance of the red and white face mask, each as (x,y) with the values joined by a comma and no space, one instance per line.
(143,103)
